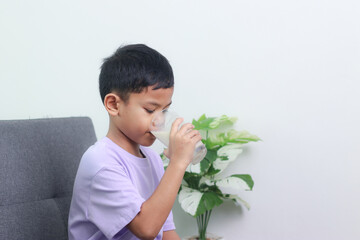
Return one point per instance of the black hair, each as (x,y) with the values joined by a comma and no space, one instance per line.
(131,69)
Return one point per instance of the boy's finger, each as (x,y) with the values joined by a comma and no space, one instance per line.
(166,152)
(175,126)
(196,138)
(186,128)
(193,133)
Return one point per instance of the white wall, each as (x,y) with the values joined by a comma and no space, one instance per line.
(289,70)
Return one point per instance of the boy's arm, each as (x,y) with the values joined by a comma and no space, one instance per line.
(154,211)
(171,235)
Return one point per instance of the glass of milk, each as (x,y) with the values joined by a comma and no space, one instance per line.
(161,127)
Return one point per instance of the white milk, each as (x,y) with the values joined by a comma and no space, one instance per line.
(162,136)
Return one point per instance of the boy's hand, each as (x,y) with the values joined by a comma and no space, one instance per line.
(182,143)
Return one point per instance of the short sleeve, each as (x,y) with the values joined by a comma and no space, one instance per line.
(113,201)
(169,223)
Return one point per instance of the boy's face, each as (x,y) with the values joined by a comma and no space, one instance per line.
(135,116)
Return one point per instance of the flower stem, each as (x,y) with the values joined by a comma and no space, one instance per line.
(202,222)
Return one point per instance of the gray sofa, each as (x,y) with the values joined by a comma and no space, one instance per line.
(38,164)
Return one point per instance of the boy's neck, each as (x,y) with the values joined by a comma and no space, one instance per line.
(125,143)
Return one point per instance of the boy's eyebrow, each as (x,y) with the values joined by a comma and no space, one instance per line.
(158,105)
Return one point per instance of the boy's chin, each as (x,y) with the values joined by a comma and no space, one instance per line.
(149,142)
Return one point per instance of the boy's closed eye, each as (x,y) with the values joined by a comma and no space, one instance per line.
(151,107)
(149,110)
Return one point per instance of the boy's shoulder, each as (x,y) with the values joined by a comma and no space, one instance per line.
(98,152)
(105,153)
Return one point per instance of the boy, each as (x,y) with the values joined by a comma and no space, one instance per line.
(121,190)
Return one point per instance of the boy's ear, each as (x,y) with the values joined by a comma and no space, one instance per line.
(112,104)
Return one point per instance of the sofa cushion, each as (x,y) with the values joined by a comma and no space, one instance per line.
(38,163)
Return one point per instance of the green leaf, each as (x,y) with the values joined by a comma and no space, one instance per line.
(246,178)
(162,156)
(233,184)
(212,171)
(192,179)
(215,189)
(202,123)
(226,155)
(204,165)
(207,185)
(165,160)
(223,158)
(208,201)
(211,155)
(202,117)
(210,123)
(189,200)
(241,137)
(194,168)
(231,151)
(196,203)
(238,201)
(215,141)
(207,161)
(222,121)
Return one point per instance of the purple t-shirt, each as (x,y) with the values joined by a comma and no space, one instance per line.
(110,187)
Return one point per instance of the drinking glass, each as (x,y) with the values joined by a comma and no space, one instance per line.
(161,126)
